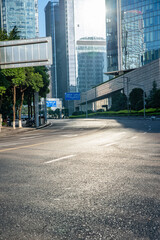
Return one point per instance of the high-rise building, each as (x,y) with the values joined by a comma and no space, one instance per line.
(68,56)
(52,29)
(20,13)
(60,25)
(91,62)
(132,33)
(68,43)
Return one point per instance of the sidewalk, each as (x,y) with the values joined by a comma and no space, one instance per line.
(9,131)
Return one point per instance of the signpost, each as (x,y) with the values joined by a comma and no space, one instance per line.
(72,96)
(51,103)
(26,53)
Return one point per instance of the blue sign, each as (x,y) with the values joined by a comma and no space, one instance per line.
(51,103)
(72,96)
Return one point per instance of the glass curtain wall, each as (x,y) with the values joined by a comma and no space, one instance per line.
(111,35)
(91,53)
(20,13)
(139,32)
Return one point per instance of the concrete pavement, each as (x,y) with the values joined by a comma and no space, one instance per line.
(9,131)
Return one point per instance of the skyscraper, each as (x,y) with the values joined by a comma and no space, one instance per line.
(60,25)
(68,56)
(68,8)
(132,33)
(20,13)
(52,29)
(91,61)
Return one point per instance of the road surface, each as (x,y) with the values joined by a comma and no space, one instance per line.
(82,179)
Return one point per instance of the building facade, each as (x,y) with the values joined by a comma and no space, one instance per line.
(132,33)
(60,25)
(20,13)
(52,29)
(91,62)
(101,95)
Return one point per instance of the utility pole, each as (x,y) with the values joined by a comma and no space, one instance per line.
(36,99)
(85,67)
(144,103)
(127,82)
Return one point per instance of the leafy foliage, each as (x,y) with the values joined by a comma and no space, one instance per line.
(32,79)
(16,76)
(154,97)
(119,101)
(3,35)
(136,99)
(43,71)
(14,34)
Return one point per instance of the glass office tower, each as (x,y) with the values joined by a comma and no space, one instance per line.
(52,29)
(132,33)
(20,13)
(91,59)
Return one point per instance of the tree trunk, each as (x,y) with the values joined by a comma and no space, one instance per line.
(20,109)
(14,107)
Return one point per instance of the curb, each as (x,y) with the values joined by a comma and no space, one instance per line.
(45,125)
(10,132)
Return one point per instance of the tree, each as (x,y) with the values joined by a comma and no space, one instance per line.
(22,78)
(14,34)
(3,35)
(16,77)
(33,80)
(119,101)
(157,98)
(153,98)
(43,71)
(4,83)
(136,99)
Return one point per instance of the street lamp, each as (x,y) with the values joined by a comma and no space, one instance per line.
(85,68)
(127,92)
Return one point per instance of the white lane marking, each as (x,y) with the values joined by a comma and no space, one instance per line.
(109,144)
(59,159)
(134,137)
(75,135)
(30,137)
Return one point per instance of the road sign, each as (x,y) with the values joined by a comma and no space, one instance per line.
(26,53)
(51,103)
(72,96)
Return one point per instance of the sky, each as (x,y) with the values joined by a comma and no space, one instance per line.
(41,6)
(89,18)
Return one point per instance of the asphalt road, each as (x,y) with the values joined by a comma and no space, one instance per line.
(82,179)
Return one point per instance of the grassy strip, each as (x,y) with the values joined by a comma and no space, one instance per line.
(149,112)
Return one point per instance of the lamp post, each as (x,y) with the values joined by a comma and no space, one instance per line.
(127,92)
(85,68)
